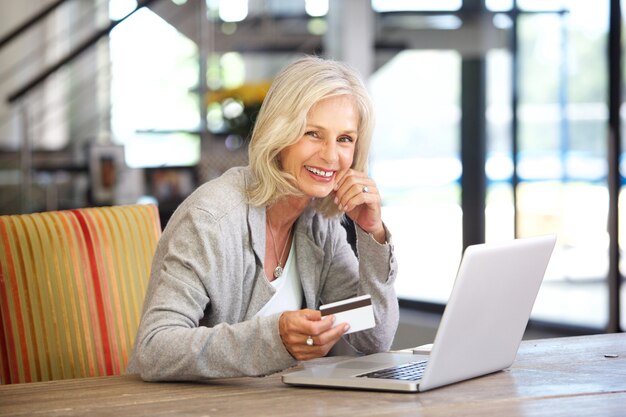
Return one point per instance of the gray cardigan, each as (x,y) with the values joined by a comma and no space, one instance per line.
(208,282)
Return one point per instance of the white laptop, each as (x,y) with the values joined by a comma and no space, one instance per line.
(480,330)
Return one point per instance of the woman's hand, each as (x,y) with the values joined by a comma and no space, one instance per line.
(295,327)
(357,195)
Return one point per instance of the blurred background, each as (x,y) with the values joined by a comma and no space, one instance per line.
(495,119)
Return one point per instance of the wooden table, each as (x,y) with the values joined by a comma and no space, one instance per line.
(574,376)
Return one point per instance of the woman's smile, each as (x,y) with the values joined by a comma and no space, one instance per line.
(319,172)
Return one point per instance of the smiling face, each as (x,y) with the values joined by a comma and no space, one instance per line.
(326,150)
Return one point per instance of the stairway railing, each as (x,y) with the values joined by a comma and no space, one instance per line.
(27,110)
(72,55)
(32,21)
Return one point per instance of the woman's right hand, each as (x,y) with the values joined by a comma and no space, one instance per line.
(295,327)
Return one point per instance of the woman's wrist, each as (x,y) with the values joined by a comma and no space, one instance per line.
(380,235)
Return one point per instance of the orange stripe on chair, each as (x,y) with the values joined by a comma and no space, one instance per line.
(72,285)
(9,355)
(89,315)
(84,305)
(94,273)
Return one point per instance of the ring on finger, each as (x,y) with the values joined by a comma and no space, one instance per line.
(365,189)
(309,341)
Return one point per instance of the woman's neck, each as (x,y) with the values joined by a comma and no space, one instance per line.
(283,214)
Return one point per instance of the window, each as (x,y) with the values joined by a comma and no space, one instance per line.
(415,162)
(154,107)
(561,161)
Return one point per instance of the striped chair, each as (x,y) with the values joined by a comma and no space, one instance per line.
(72,285)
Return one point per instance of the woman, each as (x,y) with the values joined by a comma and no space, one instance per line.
(243,255)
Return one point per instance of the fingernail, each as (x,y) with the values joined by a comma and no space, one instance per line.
(336,200)
(346,328)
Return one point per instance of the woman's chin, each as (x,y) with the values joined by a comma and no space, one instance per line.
(318,192)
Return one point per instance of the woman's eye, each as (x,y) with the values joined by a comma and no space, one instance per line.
(345,139)
(312,133)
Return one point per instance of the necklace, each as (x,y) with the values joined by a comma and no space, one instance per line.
(278,271)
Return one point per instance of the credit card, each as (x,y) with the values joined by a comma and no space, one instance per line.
(356,311)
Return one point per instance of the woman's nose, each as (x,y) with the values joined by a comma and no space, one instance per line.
(329,151)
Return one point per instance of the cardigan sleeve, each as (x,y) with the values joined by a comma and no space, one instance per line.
(373,273)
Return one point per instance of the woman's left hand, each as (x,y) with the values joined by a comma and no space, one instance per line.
(357,195)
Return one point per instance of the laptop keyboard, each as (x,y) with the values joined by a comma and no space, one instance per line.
(411,371)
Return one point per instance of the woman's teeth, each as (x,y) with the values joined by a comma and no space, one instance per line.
(319,172)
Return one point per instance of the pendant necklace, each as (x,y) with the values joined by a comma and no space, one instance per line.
(278,271)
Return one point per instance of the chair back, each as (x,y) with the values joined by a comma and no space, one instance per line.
(72,285)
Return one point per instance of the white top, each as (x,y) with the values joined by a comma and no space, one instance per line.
(288,287)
